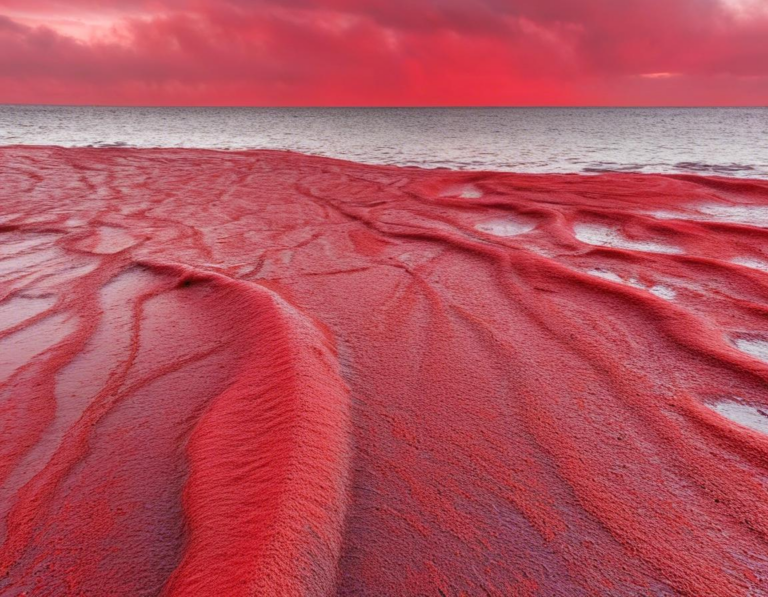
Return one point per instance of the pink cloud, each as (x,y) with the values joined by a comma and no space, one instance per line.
(377,52)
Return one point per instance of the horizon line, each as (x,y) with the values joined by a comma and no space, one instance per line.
(392,107)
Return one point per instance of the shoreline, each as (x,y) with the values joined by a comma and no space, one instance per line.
(246,152)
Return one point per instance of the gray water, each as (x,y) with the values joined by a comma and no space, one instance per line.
(724,141)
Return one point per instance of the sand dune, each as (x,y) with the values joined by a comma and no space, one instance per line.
(262,373)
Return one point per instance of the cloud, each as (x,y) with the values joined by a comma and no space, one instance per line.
(380,52)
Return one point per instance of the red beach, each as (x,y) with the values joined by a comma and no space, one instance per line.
(266,373)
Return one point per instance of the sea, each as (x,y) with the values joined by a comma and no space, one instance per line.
(713,141)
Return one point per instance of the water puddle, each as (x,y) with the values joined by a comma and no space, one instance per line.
(660,290)
(466,191)
(606,275)
(663,291)
(471,192)
(751,262)
(752,417)
(606,236)
(747,215)
(754,346)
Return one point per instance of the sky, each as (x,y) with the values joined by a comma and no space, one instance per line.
(384,52)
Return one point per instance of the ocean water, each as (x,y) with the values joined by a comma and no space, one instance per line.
(722,141)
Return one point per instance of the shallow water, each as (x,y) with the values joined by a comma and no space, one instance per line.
(724,141)
(604,236)
(743,414)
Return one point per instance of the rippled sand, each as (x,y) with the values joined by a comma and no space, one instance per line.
(263,373)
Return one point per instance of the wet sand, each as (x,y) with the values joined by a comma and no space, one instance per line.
(264,373)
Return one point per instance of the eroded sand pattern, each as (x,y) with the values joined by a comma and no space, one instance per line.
(263,373)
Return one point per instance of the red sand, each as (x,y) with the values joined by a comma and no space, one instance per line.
(263,373)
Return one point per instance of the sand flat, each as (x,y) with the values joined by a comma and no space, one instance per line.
(265,373)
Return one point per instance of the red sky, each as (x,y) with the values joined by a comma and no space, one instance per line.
(384,52)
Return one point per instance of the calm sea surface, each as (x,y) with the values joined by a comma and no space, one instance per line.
(725,141)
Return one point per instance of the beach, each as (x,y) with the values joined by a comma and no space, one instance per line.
(269,373)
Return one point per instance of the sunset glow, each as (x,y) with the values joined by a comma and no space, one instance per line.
(375,52)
